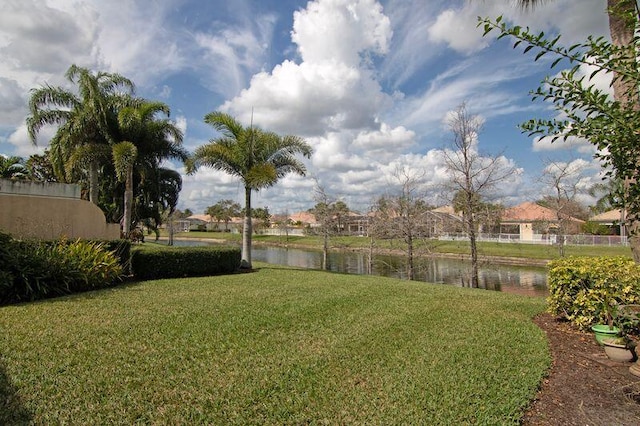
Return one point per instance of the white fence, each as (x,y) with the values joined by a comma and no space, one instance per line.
(546,239)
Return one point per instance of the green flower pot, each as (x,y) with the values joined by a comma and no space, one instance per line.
(603,331)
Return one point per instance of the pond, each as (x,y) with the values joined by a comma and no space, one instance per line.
(509,278)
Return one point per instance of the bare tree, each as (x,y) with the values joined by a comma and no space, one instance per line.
(563,180)
(471,175)
(402,215)
(323,213)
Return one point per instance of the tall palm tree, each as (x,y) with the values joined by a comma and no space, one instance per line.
(257,157)
(85,120)
(146,141)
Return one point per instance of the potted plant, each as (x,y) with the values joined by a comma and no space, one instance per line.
(622,348)
(608,308)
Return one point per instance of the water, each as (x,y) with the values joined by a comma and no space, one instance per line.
(509,278)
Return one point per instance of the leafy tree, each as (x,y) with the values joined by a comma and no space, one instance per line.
(40,168)
(86,121)
(259,158)
(13,168)
(584,111)
(224,210)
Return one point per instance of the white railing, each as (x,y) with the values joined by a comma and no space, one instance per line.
(582,239)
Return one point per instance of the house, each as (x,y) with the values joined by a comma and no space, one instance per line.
(304,219)
(612,219)
(204,222)
(531,221)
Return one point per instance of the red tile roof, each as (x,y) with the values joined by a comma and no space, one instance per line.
(531,212)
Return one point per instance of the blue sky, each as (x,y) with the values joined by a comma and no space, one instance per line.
(367,83)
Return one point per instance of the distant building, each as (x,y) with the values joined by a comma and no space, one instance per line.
(612,219)
(531,220)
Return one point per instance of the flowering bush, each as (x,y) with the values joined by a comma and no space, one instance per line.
(589,290)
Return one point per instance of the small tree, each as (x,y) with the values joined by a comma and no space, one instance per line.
(224,210)
(563,182)
(472,176)
(401,215)
(323,213)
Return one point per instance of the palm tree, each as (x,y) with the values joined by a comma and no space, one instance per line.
(146,141)
(13,168)
(124,157)
(85,121)
(257,157)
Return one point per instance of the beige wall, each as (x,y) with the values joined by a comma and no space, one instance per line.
(50,211)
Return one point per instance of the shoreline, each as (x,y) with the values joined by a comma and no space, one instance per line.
(501,260)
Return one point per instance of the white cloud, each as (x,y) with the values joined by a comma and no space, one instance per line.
(23,146)
(233,53)
(547,143)
(340,31)
(332,88)
(457,29)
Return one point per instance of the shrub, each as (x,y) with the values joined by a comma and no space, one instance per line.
(155,262)
(34,270)
(584,289)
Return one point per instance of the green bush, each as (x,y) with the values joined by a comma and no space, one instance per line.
(581,288)
(31,270)
(155,262)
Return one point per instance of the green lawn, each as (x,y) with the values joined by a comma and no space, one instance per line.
(277,346)
(530,251)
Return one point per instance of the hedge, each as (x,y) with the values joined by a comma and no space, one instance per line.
(583,289)
(156,262)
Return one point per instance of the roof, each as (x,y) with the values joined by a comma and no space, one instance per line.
(614,215)
(303,217)
(200,217)
(531,212)
(445,209)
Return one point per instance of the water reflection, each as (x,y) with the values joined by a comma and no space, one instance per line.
(508,278)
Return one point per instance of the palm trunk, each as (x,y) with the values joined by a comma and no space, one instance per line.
(246,231)
(128,202)
(93,182)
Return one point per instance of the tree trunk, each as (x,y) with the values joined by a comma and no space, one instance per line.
(410,267)
(246,231)
(325,249)
(128,202)
(93,182)
(474,254)
(621,29)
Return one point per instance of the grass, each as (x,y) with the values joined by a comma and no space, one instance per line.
(529,251)
(278,346)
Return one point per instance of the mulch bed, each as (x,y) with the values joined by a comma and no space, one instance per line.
(583,386)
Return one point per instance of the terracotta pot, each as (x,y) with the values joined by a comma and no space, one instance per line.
(616,351)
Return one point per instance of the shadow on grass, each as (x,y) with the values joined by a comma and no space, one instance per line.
(12,412)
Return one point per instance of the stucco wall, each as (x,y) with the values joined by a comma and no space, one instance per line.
(50,211)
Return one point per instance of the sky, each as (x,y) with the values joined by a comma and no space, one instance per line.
(368,84)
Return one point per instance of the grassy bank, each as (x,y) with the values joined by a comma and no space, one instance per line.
(530,251)
(277,346)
